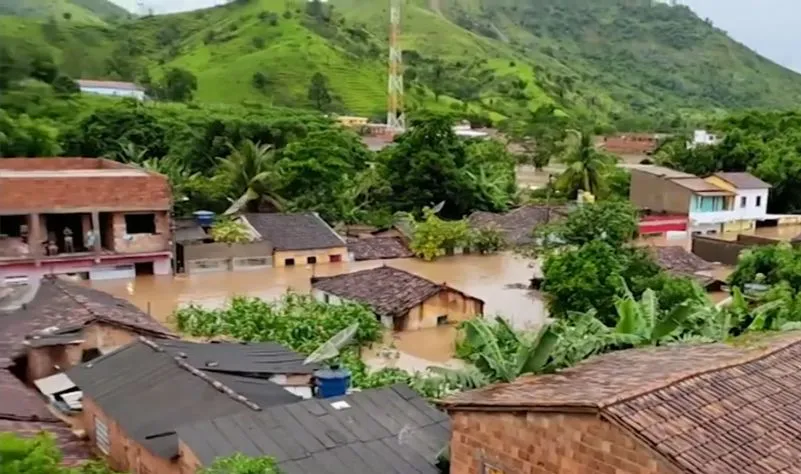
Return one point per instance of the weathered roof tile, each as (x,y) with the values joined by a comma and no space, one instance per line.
(295,231)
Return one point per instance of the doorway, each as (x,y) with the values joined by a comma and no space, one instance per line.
(57,224)
(143,268)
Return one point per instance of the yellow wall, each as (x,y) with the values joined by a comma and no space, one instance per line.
(739,226)
(300,256)
(349,121)
(714,180)
(448,303)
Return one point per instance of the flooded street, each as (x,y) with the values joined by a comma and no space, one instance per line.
(494,278)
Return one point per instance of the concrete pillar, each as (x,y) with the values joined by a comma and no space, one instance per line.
(35,236)
(96,231)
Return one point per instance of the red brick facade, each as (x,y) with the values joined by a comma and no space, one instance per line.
(135,190)
(631,144)
(546,443)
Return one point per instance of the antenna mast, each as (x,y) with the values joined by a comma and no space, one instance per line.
(396,120)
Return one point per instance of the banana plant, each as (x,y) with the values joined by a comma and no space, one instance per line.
(644,321)
(504,362)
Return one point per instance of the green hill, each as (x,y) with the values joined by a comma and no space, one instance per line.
(82,11)
(634,63)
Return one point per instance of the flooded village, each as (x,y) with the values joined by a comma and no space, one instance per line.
(93,350)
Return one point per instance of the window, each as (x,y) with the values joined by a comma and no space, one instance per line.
(101,436)
(442,320)
(140,223)
(326,297)
(90,354)
(743,201)
(335,258)
(289,262)
(758,201)
(311,260)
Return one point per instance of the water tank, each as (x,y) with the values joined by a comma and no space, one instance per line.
(204,218)
(333,382)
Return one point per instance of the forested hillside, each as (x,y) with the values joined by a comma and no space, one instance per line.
(86,11)
(632,64)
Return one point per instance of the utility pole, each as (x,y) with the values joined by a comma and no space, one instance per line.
(396,120)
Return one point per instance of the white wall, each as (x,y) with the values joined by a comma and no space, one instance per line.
(136,94)
(751,210)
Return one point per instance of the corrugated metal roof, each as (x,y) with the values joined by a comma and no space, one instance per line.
(698,185)
(660,171)
(743,180)
(253,357)
(389,430)
(149,391)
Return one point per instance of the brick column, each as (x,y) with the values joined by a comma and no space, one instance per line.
(35,236)
(96,231)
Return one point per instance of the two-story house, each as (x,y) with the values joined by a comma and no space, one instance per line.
(89,216)
(750,201)
(660,190)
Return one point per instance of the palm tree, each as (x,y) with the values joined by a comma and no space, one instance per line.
(177,174)
(129,153)
(586,167)
(251,173)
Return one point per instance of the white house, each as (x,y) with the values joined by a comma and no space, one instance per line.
(703,138)
(112,88)
(750,200)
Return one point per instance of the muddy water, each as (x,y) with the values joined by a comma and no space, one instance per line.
(492,278)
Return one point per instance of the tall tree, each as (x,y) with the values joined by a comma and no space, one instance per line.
(178,85)
(319,94)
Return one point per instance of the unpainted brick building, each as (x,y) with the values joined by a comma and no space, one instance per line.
(700,409)
(83,215)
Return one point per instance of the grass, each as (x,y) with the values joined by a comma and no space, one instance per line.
(604,61)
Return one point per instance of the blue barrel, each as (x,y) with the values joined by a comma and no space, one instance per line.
(332,382)
(204,218)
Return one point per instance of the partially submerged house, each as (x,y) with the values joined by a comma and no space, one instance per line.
(388,430)
(83,215)
(750,201)
(297,239)
(402,300)
(517,226)
(135,398)
(378,248)
(719,203)
(66,323)
(62,325)
(678,261)
(700,409)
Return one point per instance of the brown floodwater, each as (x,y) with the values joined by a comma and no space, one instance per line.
(499,280)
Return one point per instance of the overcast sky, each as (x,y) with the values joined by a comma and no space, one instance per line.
(768,26)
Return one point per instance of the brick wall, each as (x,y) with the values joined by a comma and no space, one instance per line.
(125,454)
(141,242)
(543,443)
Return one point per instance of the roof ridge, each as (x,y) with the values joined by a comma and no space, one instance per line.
(82,301)
(221,387)
(669,382)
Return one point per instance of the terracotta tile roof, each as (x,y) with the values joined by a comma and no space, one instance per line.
(388,291)
(295,231)
(74,450)
(743,180)
(378,248)
(517,225)
(678,260)
(20,402)
(706,409)
(24,413)
(63,304)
